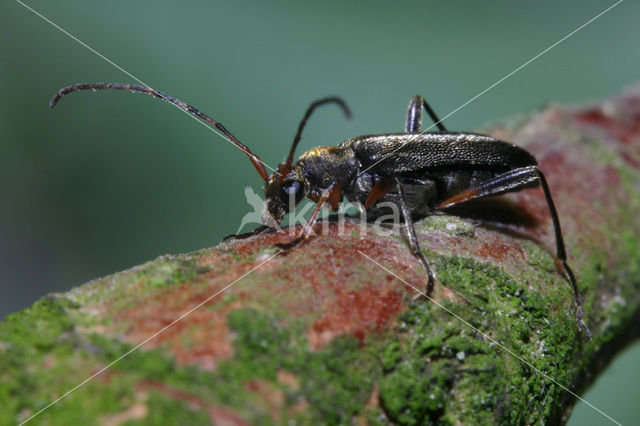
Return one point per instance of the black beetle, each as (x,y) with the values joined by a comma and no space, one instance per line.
(419,172)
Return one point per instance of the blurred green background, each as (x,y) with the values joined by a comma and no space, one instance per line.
(109,180)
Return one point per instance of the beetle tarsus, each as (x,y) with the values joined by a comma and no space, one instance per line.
(581,323)
(578,298)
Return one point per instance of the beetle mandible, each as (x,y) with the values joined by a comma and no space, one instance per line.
(420,172)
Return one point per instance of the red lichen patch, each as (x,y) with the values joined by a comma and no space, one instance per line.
(218,415)
(269,395)
(621,120)
(328,284)
(355,312)
(497,249)
(496,246)
(492,246)
(631,159)
(165,317)
(593,206)
(622,131)
(204,329)
(373,299)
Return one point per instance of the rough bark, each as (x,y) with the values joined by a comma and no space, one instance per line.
(323,335)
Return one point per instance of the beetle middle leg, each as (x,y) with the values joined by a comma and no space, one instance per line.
(515,180)
(411,234)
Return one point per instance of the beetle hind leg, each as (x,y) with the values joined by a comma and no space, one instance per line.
(515,180)
(413,122)
(413,239)
(561,257)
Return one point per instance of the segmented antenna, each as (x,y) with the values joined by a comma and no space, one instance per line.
(257,163)
(287,166)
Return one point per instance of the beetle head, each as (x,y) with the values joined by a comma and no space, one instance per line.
(285,188)
(282,193)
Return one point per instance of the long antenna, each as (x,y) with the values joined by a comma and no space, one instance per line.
(257,163)
(287,167)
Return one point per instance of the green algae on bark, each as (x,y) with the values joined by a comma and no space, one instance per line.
(321,335)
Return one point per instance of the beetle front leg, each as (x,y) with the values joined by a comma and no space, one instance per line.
(262,229)
(413,240)
(332,195)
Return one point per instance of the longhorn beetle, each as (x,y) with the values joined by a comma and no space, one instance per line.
(419,172)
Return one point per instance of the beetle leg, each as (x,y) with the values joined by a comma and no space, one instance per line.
(335,197)
(413,122)
(561,257)
(262,229)
(332,192)
(413,240)
(378,191)
(327,194)
(515,180)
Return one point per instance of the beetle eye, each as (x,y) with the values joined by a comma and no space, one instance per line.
(292,189)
